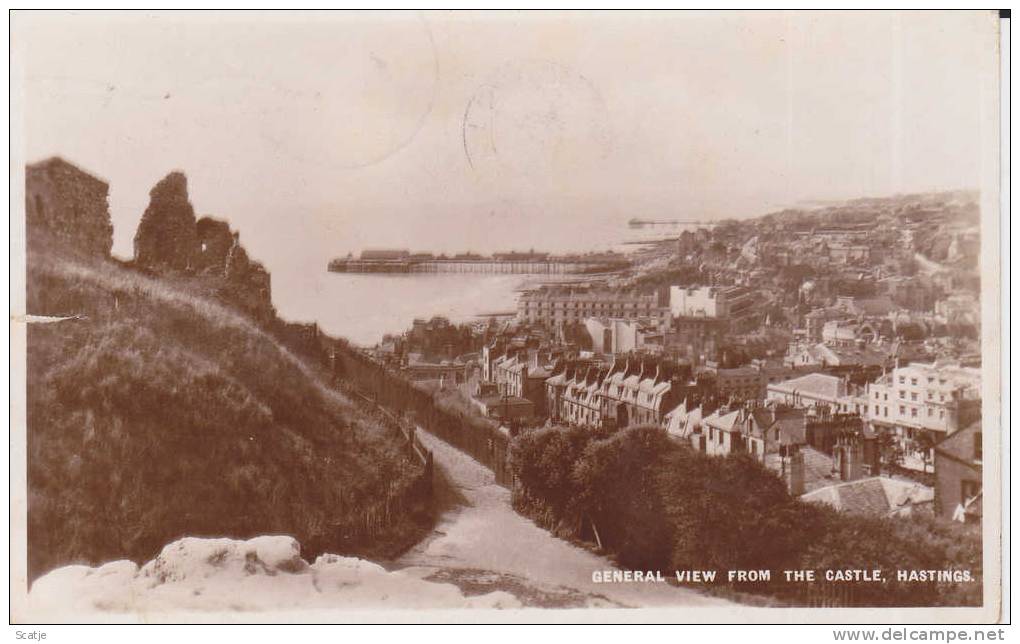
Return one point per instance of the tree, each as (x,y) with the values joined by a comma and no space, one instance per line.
(542,461)
(925,443)
(731,513)
(614,479)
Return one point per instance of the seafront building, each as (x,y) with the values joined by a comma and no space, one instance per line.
(556,306)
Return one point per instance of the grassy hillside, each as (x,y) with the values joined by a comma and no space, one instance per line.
(158,413)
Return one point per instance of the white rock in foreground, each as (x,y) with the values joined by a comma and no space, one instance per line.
(222,575)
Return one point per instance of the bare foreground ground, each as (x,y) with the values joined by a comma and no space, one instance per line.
(482,545)
(481,555)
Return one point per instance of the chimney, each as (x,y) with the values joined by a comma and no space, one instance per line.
(849,457)
(793,470)
(872,455)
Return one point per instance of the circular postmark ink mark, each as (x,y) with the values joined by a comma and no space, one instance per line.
(535,117)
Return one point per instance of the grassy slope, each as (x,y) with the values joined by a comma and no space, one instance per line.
(161,413)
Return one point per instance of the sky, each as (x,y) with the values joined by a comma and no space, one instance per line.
(320,134)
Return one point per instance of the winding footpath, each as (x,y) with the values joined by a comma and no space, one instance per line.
(482,545)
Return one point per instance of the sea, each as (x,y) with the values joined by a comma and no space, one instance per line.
(363,307)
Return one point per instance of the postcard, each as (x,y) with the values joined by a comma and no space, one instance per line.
(489,316)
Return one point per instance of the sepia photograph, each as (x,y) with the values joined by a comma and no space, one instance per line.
(507,316)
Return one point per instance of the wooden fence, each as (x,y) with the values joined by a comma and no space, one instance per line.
(410,406)
(415,448)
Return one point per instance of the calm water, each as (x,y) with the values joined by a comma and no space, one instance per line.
(363,307)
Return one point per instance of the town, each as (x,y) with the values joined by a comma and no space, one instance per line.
(839,346)
(508,316)
(799,391)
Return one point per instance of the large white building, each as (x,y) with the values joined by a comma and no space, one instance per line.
(734,306)
(709,301)
(617,336)
(937,398)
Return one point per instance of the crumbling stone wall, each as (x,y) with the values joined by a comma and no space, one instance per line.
(67,206)
(167,239)
(214,244)
(248,283)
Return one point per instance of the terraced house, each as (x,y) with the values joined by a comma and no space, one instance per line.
(573,393)
(639,391)
(517,371)
(631,391)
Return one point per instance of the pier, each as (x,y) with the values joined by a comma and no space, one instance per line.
(400,262)
(673,223)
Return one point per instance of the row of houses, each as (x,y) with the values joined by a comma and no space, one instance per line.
(819,419)
(918,403)
(759,429)
(931,410)
(513,376)
(817,430)
(632,390)
(821,458)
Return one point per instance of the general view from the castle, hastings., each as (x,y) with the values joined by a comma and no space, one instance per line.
(336,311)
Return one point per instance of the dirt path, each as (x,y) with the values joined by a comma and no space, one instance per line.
(481,545)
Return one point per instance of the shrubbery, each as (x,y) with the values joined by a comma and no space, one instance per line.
(659,505)
(607,476)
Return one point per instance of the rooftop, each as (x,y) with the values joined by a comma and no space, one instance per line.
(724,421)
(818,468)
(876,496)
(818,384)
(587,295)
